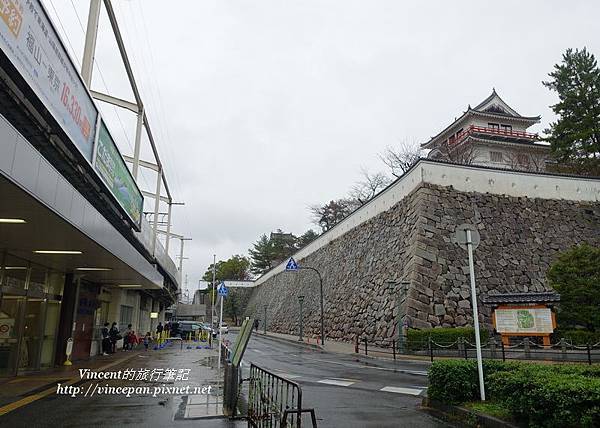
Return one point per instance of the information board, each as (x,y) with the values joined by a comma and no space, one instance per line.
(114,172)
(524,320)
(34,48)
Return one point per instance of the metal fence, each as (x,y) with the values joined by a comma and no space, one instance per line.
(526,349)
(274,401)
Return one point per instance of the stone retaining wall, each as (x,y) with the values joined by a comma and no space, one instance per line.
(362,269)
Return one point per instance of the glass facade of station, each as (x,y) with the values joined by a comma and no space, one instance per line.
(30,301)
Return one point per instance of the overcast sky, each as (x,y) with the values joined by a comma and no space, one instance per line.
(261,108)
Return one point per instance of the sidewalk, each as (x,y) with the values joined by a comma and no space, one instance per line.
(342,347)
(14,391)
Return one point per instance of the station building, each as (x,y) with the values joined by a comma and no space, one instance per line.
(75,248)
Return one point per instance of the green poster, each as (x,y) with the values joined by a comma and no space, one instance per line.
(111,167)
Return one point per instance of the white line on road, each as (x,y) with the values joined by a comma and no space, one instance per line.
(336,382)
(401,390)
(287,375)
(258,350)
(414,372)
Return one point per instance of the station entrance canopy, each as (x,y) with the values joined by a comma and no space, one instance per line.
(58,218)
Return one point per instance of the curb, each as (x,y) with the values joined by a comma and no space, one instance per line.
(290,341)
(462,416)
(321,348)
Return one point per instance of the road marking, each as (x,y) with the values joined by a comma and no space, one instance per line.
(287,375)
(414,372)
(336,382)
(401,390)
(258,350)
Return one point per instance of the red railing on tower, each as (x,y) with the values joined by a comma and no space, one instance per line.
(472,129)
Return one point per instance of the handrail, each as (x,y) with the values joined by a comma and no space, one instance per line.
(472,129)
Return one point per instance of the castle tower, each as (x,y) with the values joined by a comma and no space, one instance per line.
(491,134)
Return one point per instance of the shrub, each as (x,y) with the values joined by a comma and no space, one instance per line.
(579,337)
(540,398)
(536,394)
(457,381)
(418,339)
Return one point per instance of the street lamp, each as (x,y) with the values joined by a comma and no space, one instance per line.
(404,285)
(300,300)
(292,266)
(265,322)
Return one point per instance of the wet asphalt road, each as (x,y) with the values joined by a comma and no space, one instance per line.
(343,391)
(143,410)
(346,392)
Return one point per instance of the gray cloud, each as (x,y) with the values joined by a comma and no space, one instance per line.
(271,106)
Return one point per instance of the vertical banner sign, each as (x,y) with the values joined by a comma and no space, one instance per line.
(111,167)
(32,45)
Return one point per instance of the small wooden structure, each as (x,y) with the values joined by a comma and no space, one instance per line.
(523,314)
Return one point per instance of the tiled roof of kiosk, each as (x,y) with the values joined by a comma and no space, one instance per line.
(544,297)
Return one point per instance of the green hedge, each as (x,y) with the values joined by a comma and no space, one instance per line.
(418,339)
(546,399)
(457,381)
(537,395)
(578,337)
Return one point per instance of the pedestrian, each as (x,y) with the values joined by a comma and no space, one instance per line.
(147,339)
(105,340)
(132,340)
(114,337)
(167,329)
(126,338)
(159,329)
(256,324)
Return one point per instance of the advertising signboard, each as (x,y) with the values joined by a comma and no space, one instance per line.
(33,46)
(524,320)
(111,167)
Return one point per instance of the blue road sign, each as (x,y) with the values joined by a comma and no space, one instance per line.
(222,290)
(291,264)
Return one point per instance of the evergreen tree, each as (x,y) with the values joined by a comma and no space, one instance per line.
(236,268)
(272,250)
(261,255)
(576,276)
(575,136)
(306,238)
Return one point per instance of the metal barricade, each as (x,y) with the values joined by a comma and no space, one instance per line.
(274,401)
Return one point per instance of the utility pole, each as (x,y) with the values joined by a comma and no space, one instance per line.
(181,252)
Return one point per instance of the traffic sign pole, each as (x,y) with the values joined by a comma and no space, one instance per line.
(222,292)
(475,314)
(220,335)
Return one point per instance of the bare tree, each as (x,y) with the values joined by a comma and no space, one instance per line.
(328,215)
(462,153)
(526,161)
(399,160)
(371,184)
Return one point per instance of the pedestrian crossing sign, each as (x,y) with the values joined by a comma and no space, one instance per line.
(291,264)
(222,290)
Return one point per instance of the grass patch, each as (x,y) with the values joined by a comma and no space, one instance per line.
(491,408)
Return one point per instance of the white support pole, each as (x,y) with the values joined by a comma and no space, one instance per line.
(168,228)
(89,50)
(475,314)
(156,206)
(138,138)
(181,255)
(220,336)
